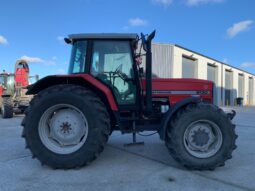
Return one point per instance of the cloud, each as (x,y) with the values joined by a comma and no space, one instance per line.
(164,3)
(29,59)
(3,40)
(137,22)
(32,59)
(248,65)
(54,58)
(225,60)
(199,2)
(239,27)
(60,38)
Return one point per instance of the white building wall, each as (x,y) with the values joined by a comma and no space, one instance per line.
(167,63)
(253,103)
(235,84)
(201,67)
(246,89)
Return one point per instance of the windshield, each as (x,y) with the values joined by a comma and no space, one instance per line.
(78,57)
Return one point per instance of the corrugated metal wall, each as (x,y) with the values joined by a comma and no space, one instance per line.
(241,85)
(161,60)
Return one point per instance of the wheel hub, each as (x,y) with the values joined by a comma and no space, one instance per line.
(63,128)
(202,138)
(66,127)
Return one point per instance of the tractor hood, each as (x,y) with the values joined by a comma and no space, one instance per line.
(184,84)
(178,89)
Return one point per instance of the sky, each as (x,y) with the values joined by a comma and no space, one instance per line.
(34,29)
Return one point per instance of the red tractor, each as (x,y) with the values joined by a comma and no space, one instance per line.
(71,117)
(13,89)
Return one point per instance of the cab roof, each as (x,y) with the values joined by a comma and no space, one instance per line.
(124,36)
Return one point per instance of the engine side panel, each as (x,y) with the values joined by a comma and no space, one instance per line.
(178,89)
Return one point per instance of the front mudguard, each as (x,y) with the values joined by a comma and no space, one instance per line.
(170,113)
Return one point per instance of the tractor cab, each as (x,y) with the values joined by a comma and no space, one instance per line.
(111,59)
(7,83)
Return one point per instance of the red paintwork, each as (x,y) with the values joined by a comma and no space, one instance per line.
(21,76)
(157,84)
(182,85)
(96,83)
(1,90)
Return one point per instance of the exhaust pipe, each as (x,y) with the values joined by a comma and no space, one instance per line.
(147,48)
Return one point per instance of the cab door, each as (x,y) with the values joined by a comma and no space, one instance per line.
(112,64)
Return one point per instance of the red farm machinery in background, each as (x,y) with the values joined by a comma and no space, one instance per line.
(13,89)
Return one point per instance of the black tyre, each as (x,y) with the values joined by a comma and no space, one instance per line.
(201,137)
(7,107)
(66,126)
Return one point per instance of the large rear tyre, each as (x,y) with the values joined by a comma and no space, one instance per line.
(66,126)
(201,137)
(7,107)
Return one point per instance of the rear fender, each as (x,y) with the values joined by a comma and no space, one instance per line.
(84,80)
(170,113)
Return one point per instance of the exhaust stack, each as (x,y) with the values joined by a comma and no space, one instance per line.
(147,49)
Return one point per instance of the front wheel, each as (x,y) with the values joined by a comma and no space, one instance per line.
(201,137)
(66,126)
(7,107)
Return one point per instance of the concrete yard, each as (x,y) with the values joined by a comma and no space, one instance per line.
(147,167)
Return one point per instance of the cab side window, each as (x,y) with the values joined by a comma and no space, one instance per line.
(78,58)
(113,65)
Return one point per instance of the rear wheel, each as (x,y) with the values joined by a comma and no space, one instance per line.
(7,107)
(66,126)
(201,137)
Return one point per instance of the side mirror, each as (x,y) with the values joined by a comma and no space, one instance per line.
(151,36)
(144,42)
(67,40)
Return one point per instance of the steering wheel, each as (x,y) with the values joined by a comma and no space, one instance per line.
(122,75)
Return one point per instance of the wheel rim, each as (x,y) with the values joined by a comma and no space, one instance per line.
(63,129)
(202,138)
